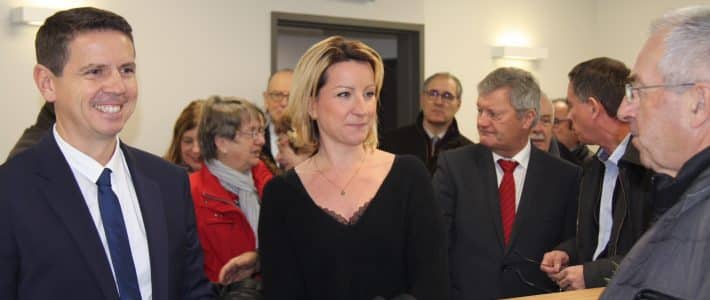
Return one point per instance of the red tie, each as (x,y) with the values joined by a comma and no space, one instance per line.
(506,190)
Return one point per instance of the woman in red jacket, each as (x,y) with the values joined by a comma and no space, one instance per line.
(228,188)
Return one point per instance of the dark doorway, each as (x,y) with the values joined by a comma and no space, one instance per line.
(400,45)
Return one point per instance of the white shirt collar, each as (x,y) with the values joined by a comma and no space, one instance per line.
(522,157)
(84,164)
(618,152)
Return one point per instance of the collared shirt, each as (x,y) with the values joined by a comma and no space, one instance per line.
(523,159)
(431,135)
(86,172)
(433,140)
(611,173)
(273,140)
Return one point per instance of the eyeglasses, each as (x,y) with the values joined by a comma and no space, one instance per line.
(433,94)
(546,120)
(253,134)
(277,96)
(632,93)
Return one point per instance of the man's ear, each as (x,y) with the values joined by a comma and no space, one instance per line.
(595,106)
(699,104)
(528,118)
(44,80)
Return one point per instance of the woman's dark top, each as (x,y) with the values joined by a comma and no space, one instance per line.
(396,245)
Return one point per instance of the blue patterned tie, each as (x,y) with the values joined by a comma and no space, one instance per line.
(117,238)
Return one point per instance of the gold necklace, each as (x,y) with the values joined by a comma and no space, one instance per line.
(342,189)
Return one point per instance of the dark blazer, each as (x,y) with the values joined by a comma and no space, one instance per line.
(412,139)
(481,267)
(632,216)
(50,247)
(266,155)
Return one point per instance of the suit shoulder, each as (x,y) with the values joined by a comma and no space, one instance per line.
(22,163)
(466,151)
(564,166)
(150,162)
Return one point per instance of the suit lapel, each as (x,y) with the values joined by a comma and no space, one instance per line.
(526,206)
(151,203)
(490,192)
(64,197)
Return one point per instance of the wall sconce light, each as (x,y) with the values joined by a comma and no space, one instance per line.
(29,15)
(521,53)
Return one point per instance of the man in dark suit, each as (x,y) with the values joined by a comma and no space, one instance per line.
(83,216)
(435,129)
(275,102)
(504,201)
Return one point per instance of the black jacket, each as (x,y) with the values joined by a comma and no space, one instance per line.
(631,213)
(412,139)
(578,156)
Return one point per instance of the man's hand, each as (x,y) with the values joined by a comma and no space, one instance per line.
(239,268)
(553,262)
(572,278)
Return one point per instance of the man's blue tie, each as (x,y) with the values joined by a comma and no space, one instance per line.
(117,238)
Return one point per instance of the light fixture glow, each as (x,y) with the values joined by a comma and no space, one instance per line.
(30,15)
(521,53)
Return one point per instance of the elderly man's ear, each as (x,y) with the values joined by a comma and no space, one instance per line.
(700,105)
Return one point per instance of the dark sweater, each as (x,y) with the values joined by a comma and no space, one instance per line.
(396,246)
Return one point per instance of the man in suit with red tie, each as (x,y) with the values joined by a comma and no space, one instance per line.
(504,201)
(82,215)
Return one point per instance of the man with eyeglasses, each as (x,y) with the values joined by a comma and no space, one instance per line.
(435,129)
(668,107)
(567,141)
(614,207)
(504,201)
(275,101)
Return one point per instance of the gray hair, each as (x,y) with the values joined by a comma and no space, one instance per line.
(222,117)
(459,87)
(524,90)
(687,44)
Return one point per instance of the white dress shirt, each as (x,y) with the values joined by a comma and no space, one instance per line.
(86,172)
(523,159)
(273,141)
(611,172)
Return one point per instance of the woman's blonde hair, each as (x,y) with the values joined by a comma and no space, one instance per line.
(310,75)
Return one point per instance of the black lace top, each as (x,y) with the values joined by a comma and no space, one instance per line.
(394,244)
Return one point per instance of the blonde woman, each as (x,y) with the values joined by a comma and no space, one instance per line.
(351,222)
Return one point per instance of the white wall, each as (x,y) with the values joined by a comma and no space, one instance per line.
(192,49)
(185,50)
(459,35)
(623,25)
